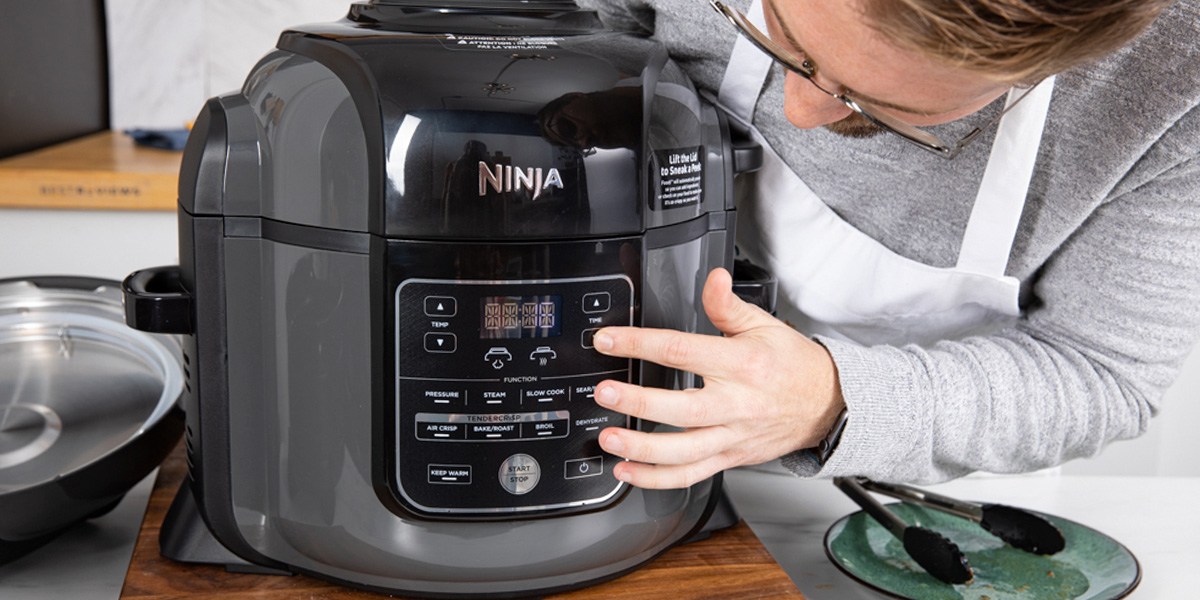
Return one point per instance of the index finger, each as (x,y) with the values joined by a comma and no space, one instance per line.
(695,352)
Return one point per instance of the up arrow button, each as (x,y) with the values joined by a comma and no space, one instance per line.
(440,306)
(596,302)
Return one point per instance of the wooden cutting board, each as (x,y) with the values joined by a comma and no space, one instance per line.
(730,564)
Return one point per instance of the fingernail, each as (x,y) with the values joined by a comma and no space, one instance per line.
(613,444)
(606,396)
(622,475)
(602,342)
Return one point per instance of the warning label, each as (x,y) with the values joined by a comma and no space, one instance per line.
(680,177)
(499,42)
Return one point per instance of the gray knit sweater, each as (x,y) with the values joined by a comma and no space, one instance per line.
(1108,255)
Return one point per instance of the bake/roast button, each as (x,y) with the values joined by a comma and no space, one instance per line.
(493,431)
(519,474)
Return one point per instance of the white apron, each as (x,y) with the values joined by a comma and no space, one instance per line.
(835,280)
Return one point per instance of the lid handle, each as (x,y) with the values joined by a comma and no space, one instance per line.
(156,301)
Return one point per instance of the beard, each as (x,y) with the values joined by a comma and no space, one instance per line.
(855,126)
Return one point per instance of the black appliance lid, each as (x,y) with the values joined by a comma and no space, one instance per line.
(477,17)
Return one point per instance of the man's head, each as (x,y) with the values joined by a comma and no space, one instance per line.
(1014,41)
(927,62)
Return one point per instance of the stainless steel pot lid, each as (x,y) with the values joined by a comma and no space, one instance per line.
(76,383)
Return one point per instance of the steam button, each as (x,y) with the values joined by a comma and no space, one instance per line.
(519,474)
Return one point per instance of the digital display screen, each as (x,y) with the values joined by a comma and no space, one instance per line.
(516,317)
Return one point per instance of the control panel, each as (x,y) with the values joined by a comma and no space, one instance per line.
(495,410)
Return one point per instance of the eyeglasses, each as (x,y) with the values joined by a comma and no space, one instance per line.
(804,68)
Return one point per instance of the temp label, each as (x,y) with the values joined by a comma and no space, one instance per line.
(680,177)
(500,42)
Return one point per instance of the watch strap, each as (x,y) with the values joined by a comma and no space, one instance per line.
(826,446)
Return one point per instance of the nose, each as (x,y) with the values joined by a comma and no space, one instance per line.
(807,107)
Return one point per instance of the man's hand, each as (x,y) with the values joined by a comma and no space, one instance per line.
(768,391)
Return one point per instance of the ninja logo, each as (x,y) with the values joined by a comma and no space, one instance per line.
(507,178)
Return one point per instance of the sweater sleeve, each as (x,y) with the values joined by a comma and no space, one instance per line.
(631,16)
(1113,314)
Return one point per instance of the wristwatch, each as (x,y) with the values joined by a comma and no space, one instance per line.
(826,446)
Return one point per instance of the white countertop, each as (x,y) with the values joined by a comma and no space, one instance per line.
(1156,518)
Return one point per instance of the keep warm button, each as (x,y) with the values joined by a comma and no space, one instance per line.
(519,474)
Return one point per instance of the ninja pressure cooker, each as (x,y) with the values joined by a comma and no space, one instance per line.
(396,243)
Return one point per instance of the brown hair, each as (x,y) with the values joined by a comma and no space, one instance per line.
(1016,41)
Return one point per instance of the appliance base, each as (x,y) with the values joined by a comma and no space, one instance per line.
(186,538)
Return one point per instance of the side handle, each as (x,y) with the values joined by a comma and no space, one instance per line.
(747,152)
(157,301)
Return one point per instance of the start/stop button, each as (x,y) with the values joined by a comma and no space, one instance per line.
(519,473)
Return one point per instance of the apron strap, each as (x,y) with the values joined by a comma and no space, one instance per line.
(747,71)
(987,242)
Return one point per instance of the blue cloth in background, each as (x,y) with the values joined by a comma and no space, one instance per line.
(166,139)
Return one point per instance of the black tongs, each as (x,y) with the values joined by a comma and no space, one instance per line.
(939,556)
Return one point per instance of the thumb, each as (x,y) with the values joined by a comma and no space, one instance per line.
(730,314)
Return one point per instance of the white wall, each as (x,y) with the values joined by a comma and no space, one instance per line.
(168,56)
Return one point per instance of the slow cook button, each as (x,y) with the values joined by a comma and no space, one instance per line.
(544,395)
(544,429)
(493,431)
(519,474)
(583,467)
(439,431)
(450,474)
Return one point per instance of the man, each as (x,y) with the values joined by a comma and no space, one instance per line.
(1004,300)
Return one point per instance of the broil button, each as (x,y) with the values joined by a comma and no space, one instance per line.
(519,474)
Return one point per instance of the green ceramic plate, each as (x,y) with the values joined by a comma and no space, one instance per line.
(1092,566)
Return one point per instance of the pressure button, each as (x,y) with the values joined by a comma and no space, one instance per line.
(519,473)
